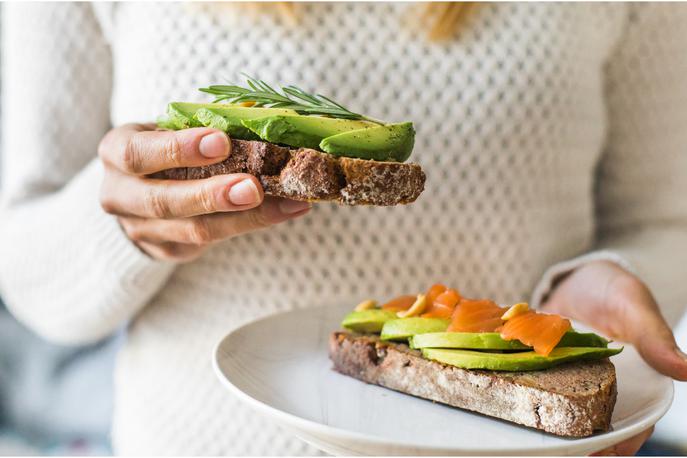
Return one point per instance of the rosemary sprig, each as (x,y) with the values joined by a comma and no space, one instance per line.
(292,97)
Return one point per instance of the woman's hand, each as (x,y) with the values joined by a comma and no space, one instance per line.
(617,303)
(177,220)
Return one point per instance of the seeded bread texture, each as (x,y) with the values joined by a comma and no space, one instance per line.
(574,400)
(307,174)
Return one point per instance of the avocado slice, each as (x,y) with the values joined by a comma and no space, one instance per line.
(164,122)
(392,142)
(340,137)
(493,341)
(182,115)
(301,131)
(209,117)
(367,320)
(521,361)
(230,119)
(465,340)
(402,328)
(583,339)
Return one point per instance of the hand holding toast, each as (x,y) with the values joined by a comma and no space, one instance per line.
(606,296)
(177,220)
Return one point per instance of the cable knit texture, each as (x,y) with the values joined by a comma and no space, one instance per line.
(547,131)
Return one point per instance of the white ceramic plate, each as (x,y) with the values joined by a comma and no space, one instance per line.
(279,366)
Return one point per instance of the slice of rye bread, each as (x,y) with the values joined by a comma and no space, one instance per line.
(574,399)
(307,174)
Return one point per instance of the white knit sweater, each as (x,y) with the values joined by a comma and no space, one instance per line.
(547,131)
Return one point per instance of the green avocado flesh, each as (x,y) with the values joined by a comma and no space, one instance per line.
(493,341)
(180,115)
(367,320)
(522,361)
(402,328)
(393,142)
(339,137)
(223,116)
(301,131)
(231,120)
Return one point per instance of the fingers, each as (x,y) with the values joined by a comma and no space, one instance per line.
(206,229)
(628,447)
(134,150)
(663,354)
(645,327)
(163,217)
(127,195)
(186,239)
(621,306)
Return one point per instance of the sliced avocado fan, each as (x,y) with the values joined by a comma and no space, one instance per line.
(475,350)
(336,136)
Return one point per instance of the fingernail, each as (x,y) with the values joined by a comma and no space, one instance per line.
(289,207)
(214,145)
(244,193)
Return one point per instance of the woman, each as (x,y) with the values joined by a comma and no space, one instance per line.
(551,135)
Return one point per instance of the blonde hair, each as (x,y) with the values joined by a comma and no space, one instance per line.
(438,20)
(443,19)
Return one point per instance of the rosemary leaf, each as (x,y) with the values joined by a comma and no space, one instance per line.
(291,97)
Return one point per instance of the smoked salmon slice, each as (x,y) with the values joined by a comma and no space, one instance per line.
(471,315)
(433,292)
(441,302)
(538,330)
(400,303)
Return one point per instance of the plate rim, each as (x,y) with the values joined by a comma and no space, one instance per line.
(595,442)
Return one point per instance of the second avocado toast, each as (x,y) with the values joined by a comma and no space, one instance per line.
(303,146)
(511,363)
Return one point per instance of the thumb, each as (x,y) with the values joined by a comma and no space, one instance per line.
(663,354)
(654,340)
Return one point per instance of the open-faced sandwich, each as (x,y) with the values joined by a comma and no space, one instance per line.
(303,146)
(511,363)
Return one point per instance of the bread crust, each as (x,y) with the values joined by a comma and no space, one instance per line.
(572,400)
(310,175)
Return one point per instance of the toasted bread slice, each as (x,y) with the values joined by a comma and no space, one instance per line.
(307,174)
(574,399)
